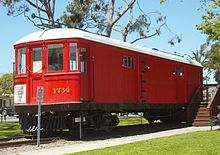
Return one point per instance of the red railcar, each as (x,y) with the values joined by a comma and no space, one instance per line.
(83,73)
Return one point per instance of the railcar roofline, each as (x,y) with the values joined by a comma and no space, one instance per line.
(65,33)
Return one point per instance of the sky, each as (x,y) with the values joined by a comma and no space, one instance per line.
(181,17)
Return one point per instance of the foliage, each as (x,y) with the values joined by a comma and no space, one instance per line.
(10,130)
(79,11)
(106,16)
(197,143)
(211,19)
(201,57)
(213,61)
(45,10)
(210,26)
(6,84)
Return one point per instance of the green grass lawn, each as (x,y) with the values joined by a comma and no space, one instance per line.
(125,121)
(197,143)
(10,130)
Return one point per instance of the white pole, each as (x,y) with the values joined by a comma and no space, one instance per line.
(39,124)
(80,127)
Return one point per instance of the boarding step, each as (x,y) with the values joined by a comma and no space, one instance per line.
(201,123)
(202,117)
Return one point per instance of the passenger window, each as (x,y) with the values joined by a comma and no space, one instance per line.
(4,103)
(55,57)
(37,60)
(83,59)
(128,62)
(178,72)
(22,61)
(73,56)
(10,102)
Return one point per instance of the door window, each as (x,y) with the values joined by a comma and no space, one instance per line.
(22,61)
(55,57)
(37,60)
(73,56)
(83,59)
(4,103)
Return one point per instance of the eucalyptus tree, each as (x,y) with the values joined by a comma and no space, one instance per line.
(44,9)
(106,16)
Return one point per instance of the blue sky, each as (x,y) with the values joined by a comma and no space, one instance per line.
(182,18)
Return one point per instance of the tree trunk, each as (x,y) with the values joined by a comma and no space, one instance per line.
(110,19)
(124,34)
(217,77)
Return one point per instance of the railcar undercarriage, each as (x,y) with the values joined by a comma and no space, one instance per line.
(69,116)
(52,121)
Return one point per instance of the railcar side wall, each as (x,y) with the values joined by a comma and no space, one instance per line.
(151,79)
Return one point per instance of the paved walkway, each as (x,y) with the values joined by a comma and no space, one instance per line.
(90,145)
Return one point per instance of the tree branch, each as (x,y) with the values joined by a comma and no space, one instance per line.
(32,21)
(38,10)
(35,6)
(145,37)
(123,11)
(53,7)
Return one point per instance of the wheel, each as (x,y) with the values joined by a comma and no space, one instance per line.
(151,120)
(4,112)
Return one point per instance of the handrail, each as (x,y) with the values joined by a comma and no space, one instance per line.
(210,85)
(214,96)
(192,107)
(195,95)
(214,102)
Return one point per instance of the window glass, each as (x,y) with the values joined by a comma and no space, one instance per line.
(132,62)
(83,59)
(55,57)
(37,60)
(128,62)
(10,102)
(178,72)
(22,61)
(4,103)
(73,56)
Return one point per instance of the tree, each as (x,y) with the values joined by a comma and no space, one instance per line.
(211,19)
(213,61)
(106,16)
(200,56)
(45,10)
(6,84)
(210,26)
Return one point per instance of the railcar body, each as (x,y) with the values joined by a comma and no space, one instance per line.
(83,73)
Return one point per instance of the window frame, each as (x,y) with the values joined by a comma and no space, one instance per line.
(77,57)
(80,61)
(40,71)
(18,70)
(47,56)
(178,71)
(128,62)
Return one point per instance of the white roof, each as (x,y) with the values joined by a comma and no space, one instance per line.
(63,33)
